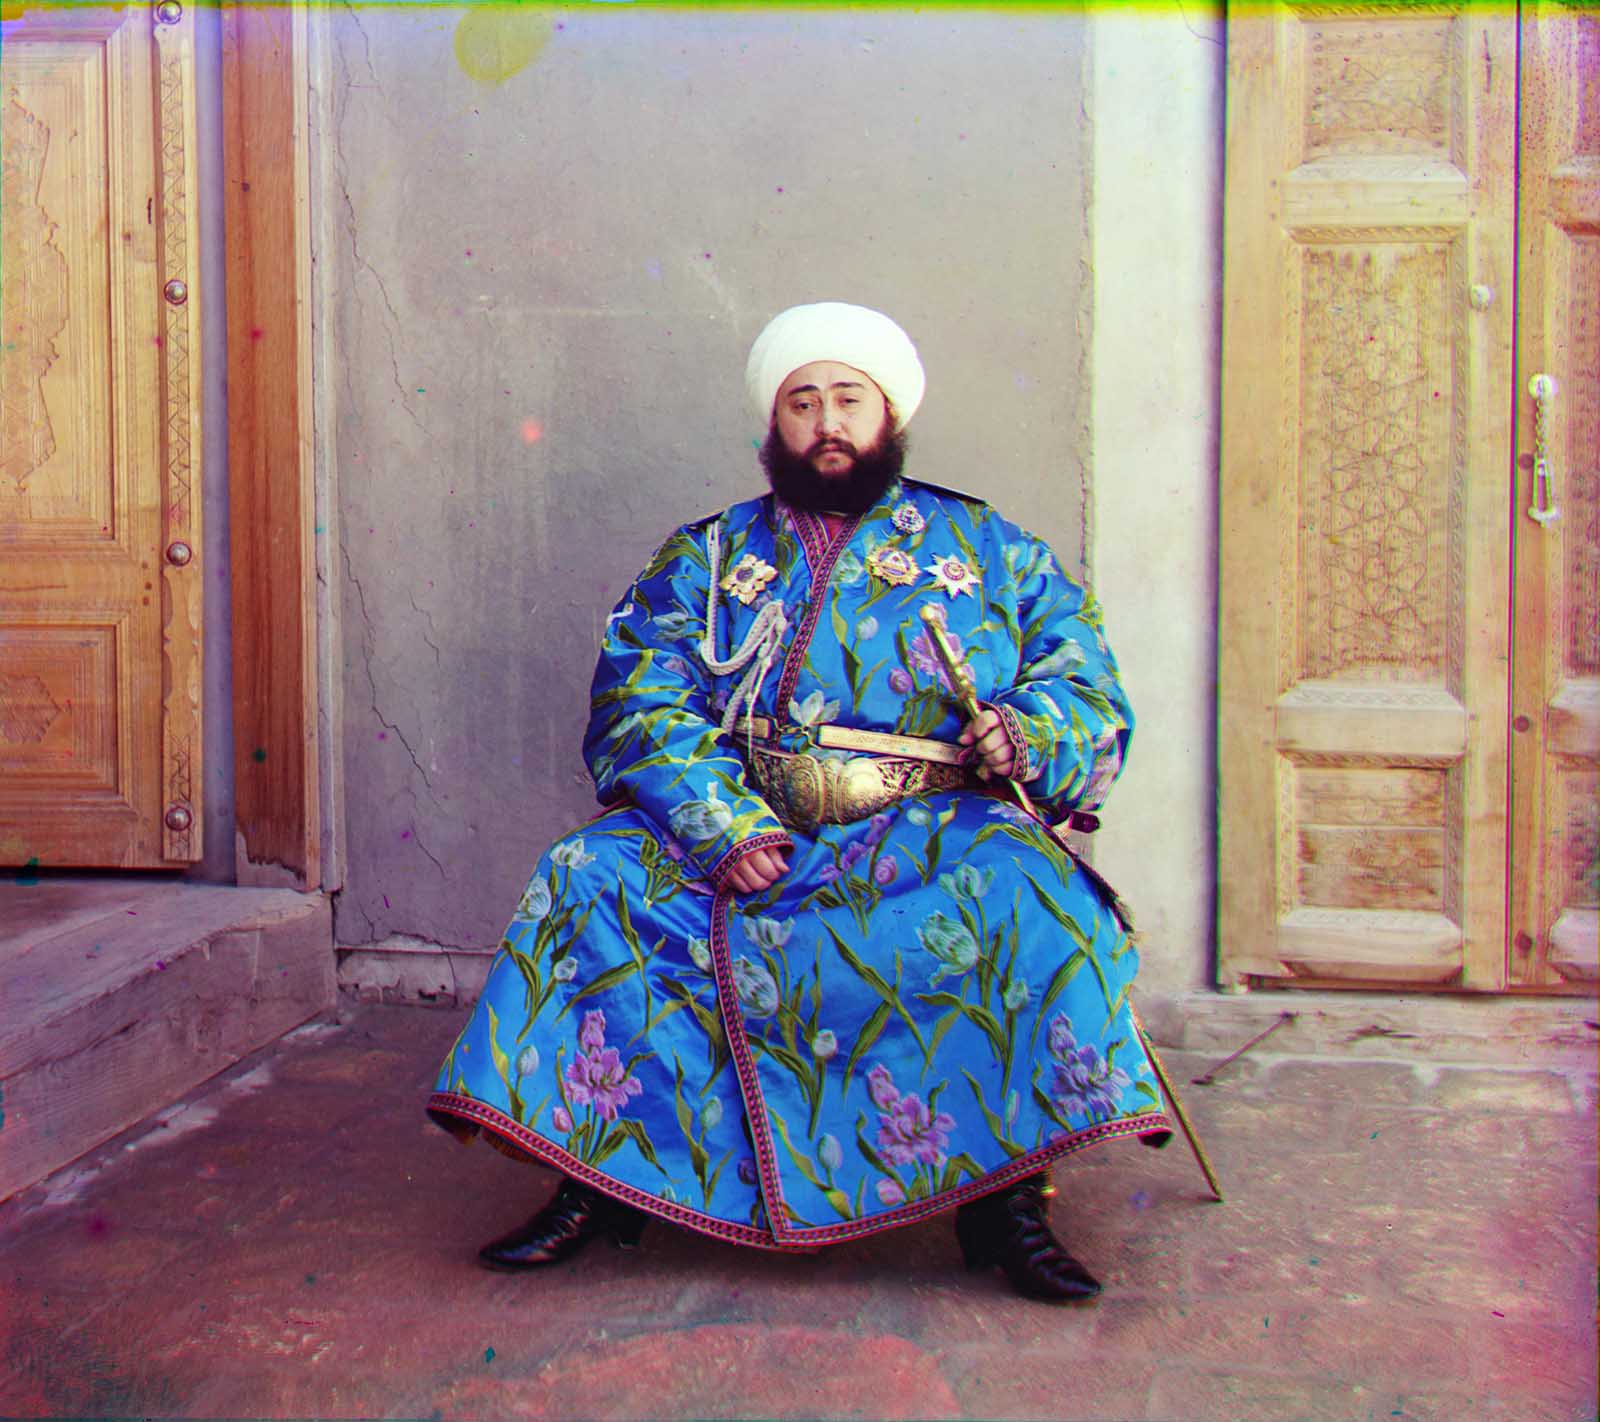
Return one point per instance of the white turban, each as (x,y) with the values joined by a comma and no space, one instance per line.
(866,340)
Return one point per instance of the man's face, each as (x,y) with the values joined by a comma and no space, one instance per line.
(827,413)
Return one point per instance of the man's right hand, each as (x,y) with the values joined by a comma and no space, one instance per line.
(757,871)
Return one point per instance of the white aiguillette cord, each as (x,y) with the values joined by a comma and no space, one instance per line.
(760,644)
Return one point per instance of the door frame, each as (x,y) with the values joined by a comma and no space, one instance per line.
(278,833)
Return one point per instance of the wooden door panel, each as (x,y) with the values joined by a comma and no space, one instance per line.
(100,573)
(1363,621)
(61,728)
(1556,749)
(57,436)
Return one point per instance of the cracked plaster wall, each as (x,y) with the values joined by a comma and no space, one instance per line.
(540,294)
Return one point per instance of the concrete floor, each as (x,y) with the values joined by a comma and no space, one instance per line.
(294,1240)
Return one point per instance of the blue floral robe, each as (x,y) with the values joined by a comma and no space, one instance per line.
(932,1002)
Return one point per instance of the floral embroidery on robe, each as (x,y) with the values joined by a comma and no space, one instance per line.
(933,1000)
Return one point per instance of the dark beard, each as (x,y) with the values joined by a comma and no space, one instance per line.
(795,479)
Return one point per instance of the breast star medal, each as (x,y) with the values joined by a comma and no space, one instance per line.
(953,575)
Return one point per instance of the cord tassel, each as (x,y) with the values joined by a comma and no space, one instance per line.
(760,644)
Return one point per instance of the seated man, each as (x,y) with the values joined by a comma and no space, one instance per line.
(814,973)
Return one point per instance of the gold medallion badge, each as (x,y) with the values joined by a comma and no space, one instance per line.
(748,579)
(893,565)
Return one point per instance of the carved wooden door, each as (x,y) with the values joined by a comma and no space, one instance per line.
(1366,625)
(100,566)
(1555,768)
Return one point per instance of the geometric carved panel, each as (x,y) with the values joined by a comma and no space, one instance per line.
(1365,494)
(1586,102)
(1580,790)
(1578,465)
(1376,409)
(1377,87)
(58,711)
(1369,837)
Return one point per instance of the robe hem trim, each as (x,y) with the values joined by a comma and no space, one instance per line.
(767,1171)
(544,1152)
(787,1240)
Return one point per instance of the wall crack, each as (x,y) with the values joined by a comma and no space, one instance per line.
(368,636)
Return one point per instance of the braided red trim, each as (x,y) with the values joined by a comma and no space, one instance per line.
(996,1179)
(1024,767)
(821,555)
(784,1238)
(744,1067)
(514,1133)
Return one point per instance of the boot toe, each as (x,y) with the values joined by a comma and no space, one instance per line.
(572,1218)
(1060,1280)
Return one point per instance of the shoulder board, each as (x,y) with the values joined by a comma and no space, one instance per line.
(945,490)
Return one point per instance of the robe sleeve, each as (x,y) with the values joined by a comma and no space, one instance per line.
(653,736)
(1066,714)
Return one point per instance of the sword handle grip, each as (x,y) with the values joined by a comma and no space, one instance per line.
(961,682)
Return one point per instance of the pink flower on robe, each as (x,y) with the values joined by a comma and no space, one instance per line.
(912,1133)
(598,1078)
(908,1132)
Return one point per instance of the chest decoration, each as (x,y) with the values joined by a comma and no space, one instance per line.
(748,578)
(908,519)
(893,565)
(954,575)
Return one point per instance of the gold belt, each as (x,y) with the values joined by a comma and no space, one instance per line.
(872,742)
(806,791)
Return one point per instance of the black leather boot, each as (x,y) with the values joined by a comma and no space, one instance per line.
(573,1217)
(1010,1230)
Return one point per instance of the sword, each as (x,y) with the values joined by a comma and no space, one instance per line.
(966,694)
(961,683)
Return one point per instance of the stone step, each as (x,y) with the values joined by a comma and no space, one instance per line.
(118,995)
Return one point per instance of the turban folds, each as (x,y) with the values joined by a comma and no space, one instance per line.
(834,330)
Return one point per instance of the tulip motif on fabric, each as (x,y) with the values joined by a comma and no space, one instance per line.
(595,1089)
(748,579)
(913,1139)
(1085,1082)
(697,820)
(893,565)
(954,575)
(933,999)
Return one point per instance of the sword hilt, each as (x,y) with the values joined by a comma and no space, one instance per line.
(961,683)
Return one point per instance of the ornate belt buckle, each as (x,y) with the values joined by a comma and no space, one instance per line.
(793,786)
(856,790)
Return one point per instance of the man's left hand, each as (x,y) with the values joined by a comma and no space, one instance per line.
(988,734)
(757,872)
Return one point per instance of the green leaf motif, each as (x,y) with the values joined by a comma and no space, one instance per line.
(871,1030)
(502,1064)
(802,1163)
(608,979)
(876,982)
